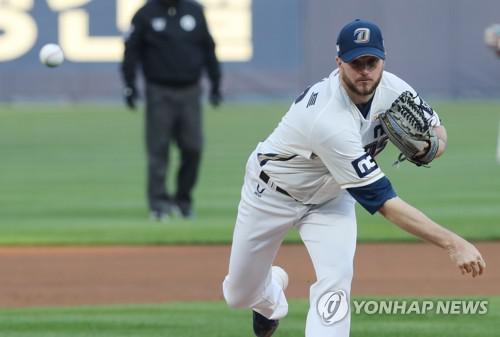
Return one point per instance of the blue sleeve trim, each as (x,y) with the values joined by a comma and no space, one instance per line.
(373,196)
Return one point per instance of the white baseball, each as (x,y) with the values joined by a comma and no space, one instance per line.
(51,55)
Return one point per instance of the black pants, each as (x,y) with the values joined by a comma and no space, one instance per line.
(172,114)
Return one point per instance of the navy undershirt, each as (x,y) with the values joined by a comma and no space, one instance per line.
(364,108)
(374,195)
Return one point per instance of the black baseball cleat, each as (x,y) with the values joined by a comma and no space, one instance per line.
(262,326)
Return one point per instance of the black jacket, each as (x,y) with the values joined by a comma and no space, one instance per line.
(172,43)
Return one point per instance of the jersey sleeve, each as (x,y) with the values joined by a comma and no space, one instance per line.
(344,156)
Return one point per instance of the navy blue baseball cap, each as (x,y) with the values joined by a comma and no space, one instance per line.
(360,38)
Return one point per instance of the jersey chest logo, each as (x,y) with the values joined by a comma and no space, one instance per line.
(158,24)
(379,141)
(364,165)
(188,23)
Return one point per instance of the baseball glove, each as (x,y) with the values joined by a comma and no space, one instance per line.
(408,128)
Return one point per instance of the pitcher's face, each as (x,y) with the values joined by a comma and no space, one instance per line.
(361,76)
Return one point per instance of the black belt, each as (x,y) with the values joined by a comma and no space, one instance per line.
(265,178)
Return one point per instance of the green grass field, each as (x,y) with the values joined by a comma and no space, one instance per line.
(216,320)
(74,174)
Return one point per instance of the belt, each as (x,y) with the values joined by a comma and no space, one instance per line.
(265,178)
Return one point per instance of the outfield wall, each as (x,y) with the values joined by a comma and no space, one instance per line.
(270,49)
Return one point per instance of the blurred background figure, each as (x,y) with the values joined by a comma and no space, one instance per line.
(492,37)
(171,42)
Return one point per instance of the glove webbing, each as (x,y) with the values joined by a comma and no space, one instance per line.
(412,115)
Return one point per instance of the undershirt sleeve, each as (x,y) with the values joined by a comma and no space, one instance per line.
(373,196)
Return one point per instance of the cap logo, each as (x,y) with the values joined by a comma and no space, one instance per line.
(362,35)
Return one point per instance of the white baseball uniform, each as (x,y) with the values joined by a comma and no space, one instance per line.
(304,175)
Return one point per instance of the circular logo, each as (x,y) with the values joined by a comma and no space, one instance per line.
(333,306)
(188,23)
(159,24)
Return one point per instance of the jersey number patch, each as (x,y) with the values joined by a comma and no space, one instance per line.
(364,165)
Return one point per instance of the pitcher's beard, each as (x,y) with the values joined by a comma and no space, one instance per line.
(361,91)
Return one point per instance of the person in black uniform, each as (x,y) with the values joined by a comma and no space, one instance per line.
(171,41)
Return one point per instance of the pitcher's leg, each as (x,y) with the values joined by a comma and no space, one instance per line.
(262,223)
(329,233)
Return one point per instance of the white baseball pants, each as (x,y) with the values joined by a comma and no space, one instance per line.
(329,233)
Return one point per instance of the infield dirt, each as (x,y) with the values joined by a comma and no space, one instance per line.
(68,276)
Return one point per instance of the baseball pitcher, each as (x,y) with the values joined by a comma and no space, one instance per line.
(311,170)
